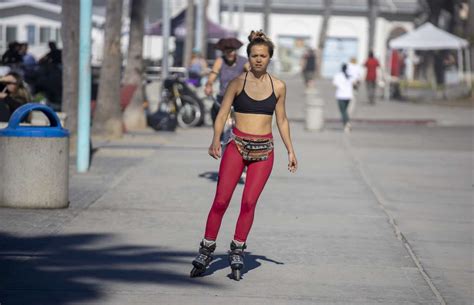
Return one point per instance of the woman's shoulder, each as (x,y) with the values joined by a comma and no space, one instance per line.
(278,84)
(239,80)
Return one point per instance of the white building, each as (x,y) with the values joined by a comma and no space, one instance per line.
(37,23)
(295,24)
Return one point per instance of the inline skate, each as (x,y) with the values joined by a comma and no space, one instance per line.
(204,258)
(236,259)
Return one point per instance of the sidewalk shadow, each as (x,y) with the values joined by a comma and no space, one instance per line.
(251,262)
(65,269)
(213,176)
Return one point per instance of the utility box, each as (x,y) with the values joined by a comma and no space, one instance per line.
(314,119)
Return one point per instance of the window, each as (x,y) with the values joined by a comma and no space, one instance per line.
(58,36)
(31,34)
(11,33)
(45,34)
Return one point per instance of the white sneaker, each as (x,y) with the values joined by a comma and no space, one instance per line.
(347,128)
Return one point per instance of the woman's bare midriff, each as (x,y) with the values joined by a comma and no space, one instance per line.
(256,124)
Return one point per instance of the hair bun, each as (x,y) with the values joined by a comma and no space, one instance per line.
(258,35)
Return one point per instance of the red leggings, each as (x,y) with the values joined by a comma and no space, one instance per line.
(230,171)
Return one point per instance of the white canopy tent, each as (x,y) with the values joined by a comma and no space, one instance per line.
(429,37)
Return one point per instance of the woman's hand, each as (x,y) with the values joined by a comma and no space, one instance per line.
(215,150)
(292,163)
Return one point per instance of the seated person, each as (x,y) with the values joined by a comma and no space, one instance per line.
(14,94)
(197,68)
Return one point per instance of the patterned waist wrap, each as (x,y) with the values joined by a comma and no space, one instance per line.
(253,148)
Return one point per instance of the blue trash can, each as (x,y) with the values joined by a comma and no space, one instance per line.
(34,161)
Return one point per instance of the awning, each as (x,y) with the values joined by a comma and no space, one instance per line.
(428,37)
(178,28)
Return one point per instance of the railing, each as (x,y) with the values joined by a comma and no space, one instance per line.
(153,73)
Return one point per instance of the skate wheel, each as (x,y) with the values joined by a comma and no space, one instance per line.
(236,274)
(196,272)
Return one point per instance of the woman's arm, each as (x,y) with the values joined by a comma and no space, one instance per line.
(284,126)
(216,68)
(230,93)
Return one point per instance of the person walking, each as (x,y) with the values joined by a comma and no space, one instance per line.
(344,93)
(308,67)
(371,77)
(225,68)
(255,96)
(355,72)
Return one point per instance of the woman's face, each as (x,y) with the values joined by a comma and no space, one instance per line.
(12,85)
(230,54)
(259,58)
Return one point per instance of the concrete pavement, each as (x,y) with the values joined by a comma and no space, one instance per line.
(380,216)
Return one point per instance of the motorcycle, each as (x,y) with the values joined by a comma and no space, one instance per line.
(188,106)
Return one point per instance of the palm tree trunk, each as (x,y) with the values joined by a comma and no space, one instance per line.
(189,42)
(134,115)
(204,30)
(70,55)
(108,116)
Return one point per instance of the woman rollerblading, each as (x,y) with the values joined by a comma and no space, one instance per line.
(255,97)
(204,257)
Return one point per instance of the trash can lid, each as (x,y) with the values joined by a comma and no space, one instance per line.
(14,129)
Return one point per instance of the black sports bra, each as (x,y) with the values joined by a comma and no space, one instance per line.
(245,104)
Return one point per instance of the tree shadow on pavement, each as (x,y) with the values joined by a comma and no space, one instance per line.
(213,176)
(251,262)
(64,269)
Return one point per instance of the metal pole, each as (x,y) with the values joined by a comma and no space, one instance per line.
(267,10)
(460,65)
(411,65)
(241,17)
(166,37)
(84,111)
(199,25)
(388,77)
(468,66)
(231,14)
(373,14)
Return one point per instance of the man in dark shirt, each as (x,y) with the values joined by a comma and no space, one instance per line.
(12,54)
(53,56)
(309,66)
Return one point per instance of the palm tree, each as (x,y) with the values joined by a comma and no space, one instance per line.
(108,116)
(134,116)
(189,42)
(70,55)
